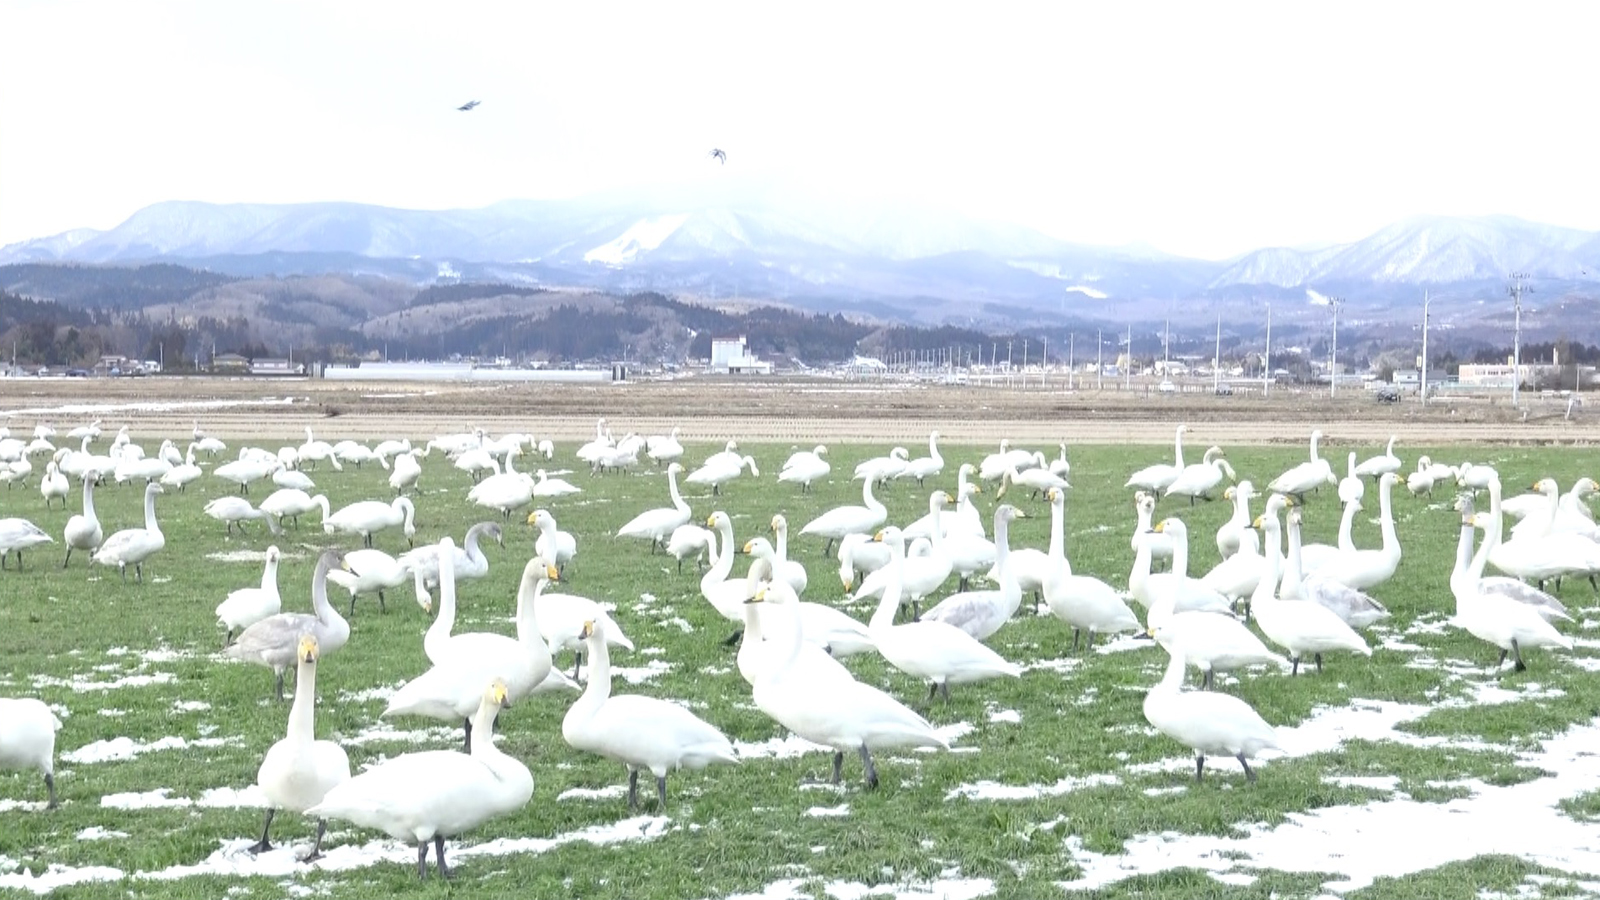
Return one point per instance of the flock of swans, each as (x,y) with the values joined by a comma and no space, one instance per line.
(1307,600)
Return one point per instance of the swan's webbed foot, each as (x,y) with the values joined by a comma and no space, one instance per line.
(1249,773)
(872,770)
(263,845)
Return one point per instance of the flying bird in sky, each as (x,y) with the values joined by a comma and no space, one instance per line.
(468,105)
(718,155)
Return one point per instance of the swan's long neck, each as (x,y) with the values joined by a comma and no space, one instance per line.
(471,542)
(1391,540)
(1145,514)
(933,447)
(88,498)
(302,713)
(1552,501)
(1462,576)
(1058,527)
(1180,557)
(723,567)
(527,606)
(484,749)
(1172,680)
(1140,575)
(150,512)
(1314,438)
(672,487)
(319,596)
(1290,587)
(322,502)
(935,512)
(1346,522)
(1002,549)
(598,690)
(883,616)
(1241,510)
(269,575)
(1491,534)
(869,501)
(1267,588)
(781,534)
(1177,449)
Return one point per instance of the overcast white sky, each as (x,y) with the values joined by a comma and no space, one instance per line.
(1206,129)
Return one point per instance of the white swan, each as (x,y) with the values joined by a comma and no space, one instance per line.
(544,486)
(719,472)
(1209,723)
(691,540)
(553,544)
(299,770)
(1307,476)
(883,468)
(28,739)
(134,545)
(919,576)
(504,491)
(17,535)
(789,572)
(1060,465)
(837,712)
(761,654)
(275,640)
(447,690)
(83,531)
(367,517)
(247,606)
(842,520)
(725,594)
(639,732)
(804,467)
(369,571)
(663,448)
(981,613)
(1156,478)
(1236,535)
(435,794)
(1186,594)
(924,467)
(1356,608)
(1144,533)
(1375,466)
(657,524)
(407,469)
(860,556)
(1037,479)
(1298,626)
(1197,481)
(993,467)
(1363,569)
(184,473)
(937,652)
(1494,618)
(236,511)
(561,618)
(292,503)
(245,472)
(469,560)
(54,485)
(1469,569)
(1082,601)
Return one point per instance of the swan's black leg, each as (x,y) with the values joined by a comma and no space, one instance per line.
(827,549)
(1075,640)
(1249,774)
(138,569)
(68,559)
(1205,681)
(264,845)
(438,857)
(661,792)
(872,771)
(1294,666)
(732,639)
(466,741)
(352,606)
(422,860)
(633,789)
(316,848)
(944,690)
(227,638)
(577,663)
(1516,648)
(50,785)
(1199,768)
(280,685)
(933,688)
(838,766)
(1318,658)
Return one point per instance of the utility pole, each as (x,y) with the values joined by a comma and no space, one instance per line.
(1333,356)
(1425,300)
(1266,361)
(1099,359)
(1127,375)
(1072,346)
(1516,336)
(1216,359)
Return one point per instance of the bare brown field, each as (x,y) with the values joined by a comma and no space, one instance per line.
(800,410)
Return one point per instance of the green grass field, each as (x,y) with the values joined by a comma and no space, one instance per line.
(1392,741)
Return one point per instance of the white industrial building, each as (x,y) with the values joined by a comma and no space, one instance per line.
(732,355)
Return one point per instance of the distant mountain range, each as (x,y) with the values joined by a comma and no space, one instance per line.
(915,265)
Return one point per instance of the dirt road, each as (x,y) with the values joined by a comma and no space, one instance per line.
(792,410)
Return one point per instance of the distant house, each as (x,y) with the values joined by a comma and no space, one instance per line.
(229,362)
(273,365)
(112,365)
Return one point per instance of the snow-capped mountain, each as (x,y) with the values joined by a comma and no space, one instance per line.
(929,264)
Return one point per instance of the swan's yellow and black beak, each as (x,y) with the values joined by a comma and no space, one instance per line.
(1256,524)
(551,573)
(1050,495)
(531,517)
(1288,500)
(749,547)
(1227,494)
(498,693)
(848,584)
(878,537)
(588,630)
(308,648)
(975,488)
(760,596)
(711,521)
(1161,527)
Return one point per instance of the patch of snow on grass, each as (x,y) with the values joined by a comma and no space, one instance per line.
(120,748)
(823,812)
(98,833)
(993,790)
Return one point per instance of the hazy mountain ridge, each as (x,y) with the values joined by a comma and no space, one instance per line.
(920,265)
